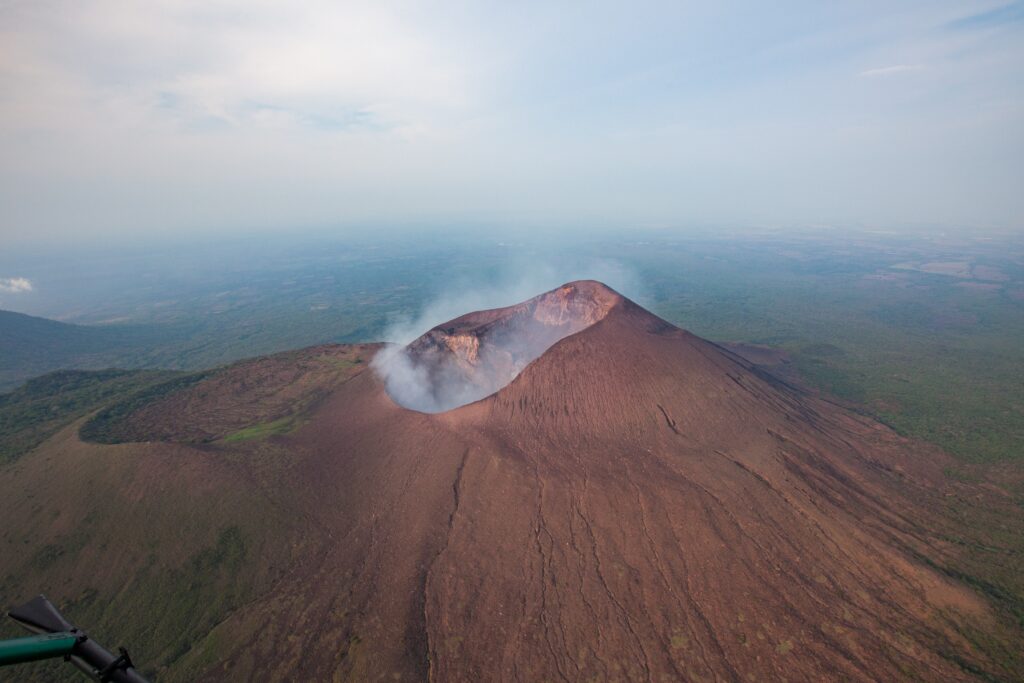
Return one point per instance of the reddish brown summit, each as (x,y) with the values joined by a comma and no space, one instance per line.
(473,356)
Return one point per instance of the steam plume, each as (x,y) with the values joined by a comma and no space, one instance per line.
(434,370)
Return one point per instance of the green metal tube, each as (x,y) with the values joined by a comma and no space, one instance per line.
(30,649)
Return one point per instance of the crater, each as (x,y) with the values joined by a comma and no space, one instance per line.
(475,355)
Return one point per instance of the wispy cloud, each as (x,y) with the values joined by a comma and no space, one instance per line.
(15,285)
(321,65)
(248,114)
(890,70)
(1007,14)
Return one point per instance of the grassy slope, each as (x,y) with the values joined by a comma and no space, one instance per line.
(154,572)
(151,545)
(250,399)
(42,406)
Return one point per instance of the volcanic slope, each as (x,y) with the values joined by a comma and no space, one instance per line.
(635,504)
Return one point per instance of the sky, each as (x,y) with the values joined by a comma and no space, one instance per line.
(166,119)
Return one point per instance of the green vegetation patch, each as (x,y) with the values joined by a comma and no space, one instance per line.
(105,426)
(263,430)
(42,406)
(341,363)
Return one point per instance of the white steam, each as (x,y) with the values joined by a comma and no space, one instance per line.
(421,387)
(441,386)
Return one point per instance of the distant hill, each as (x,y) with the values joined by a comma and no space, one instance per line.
(31,346)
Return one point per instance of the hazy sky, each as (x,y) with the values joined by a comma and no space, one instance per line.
(131,119)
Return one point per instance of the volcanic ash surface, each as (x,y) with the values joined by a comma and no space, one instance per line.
(471,357)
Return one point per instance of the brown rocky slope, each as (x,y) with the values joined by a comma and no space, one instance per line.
(636,504)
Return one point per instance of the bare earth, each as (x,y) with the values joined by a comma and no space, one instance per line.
(636,504)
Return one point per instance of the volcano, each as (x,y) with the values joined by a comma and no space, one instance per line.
(569,489)
(473,356)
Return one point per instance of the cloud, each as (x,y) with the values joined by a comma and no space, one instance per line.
(15,285)
(256,115)
(1012,13)
(318,64)
(890,70)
